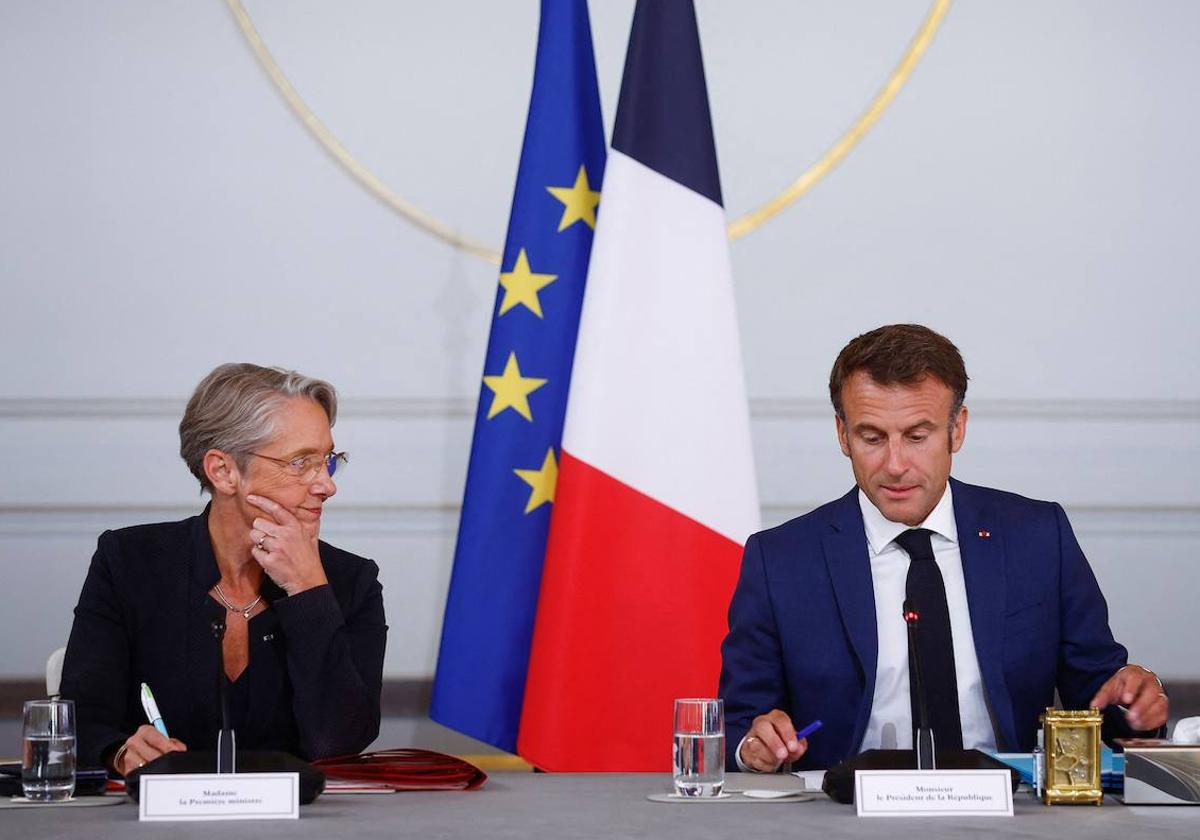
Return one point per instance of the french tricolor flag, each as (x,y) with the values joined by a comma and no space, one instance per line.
(656,492)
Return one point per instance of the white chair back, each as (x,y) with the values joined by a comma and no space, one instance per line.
(54,671)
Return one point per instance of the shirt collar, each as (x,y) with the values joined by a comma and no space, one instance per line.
(881,530)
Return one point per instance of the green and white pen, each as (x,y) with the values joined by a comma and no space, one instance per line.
(152,713)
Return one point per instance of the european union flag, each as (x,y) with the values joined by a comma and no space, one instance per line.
(488,624)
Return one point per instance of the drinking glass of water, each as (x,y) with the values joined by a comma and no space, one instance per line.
(699,746)
(48,765)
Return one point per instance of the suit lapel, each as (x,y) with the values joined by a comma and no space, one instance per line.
(266,680)
(849,565)
(983,562)
(202,612)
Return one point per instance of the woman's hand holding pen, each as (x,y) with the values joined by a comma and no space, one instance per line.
(146,744)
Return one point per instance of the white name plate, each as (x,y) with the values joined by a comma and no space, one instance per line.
(933,793)
(225,796)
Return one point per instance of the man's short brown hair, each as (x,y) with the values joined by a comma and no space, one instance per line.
(900,354)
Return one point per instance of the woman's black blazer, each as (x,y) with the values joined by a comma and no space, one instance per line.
(145,615)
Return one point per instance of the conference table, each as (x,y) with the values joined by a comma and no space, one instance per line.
(529,805)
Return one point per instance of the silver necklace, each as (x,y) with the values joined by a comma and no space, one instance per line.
(245,611)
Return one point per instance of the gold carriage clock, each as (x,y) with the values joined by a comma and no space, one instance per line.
(1072,744)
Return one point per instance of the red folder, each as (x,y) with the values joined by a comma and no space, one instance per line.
(405,769)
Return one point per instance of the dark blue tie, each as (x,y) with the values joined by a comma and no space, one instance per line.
(927,593)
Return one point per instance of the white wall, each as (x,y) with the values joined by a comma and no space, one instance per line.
(1032,193)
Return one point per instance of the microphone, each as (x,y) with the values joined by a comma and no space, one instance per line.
(312,779)
(926,757)
(839,779)
(226,739)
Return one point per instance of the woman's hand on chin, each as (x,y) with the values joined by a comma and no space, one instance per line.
(285,547)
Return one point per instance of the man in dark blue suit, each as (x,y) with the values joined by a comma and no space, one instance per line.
(1009,608)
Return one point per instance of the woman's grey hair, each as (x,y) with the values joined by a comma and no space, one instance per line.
(236,408)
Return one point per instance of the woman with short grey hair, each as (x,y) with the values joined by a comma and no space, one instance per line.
(304,632)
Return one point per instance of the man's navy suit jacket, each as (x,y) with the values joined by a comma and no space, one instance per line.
(802,634)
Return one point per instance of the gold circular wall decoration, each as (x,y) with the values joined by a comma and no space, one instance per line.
(742,225)
(738,228)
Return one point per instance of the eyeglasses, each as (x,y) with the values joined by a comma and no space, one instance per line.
(306,468)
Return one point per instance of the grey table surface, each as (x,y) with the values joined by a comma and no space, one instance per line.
(527,805)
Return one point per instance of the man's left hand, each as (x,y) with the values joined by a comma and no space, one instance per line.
(1140,692)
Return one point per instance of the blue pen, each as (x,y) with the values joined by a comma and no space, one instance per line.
(808,730)
(152,713)
(803,733)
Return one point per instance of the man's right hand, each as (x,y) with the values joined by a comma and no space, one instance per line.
(146,745)
(771,741)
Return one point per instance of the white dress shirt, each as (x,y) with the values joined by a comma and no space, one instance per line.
(890,725)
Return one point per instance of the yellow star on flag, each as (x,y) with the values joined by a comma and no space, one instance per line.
(541,481)
(521,286)
(511,390)
(579,202)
